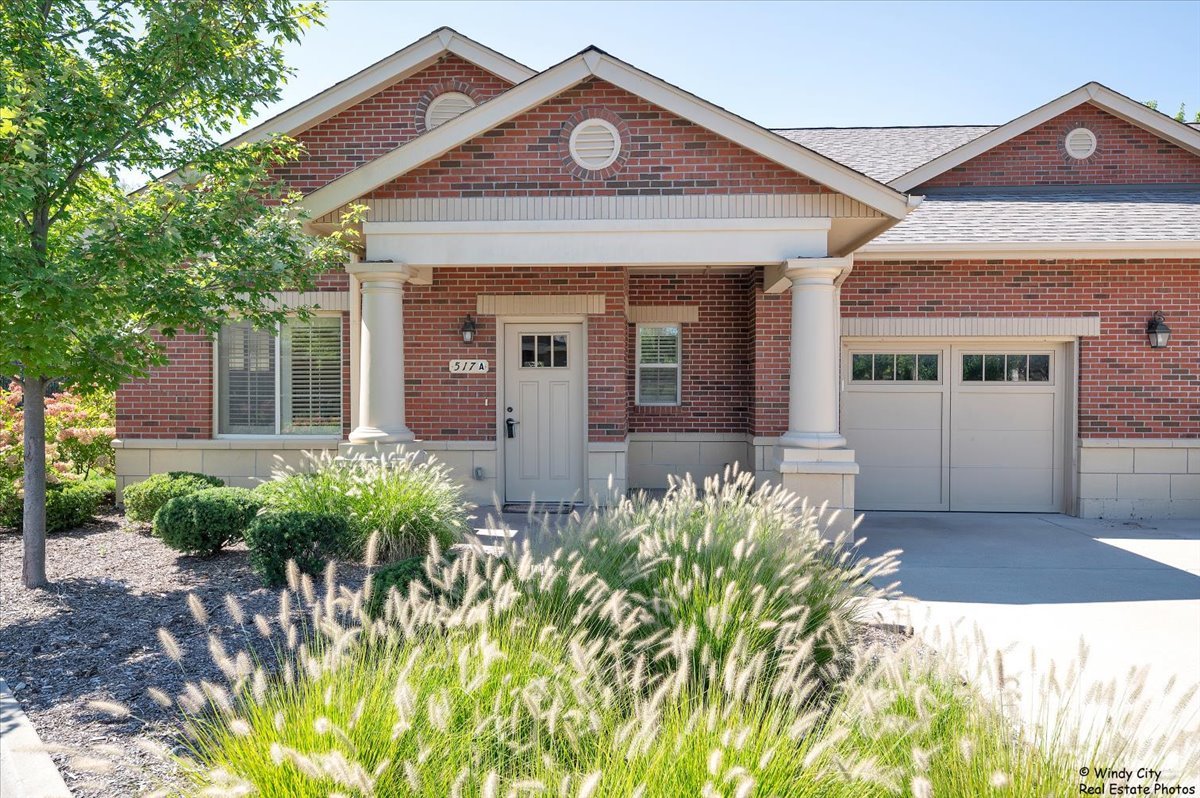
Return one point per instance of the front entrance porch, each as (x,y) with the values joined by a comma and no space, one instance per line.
(594,380)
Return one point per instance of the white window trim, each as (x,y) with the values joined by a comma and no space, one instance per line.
(262,436)
(637,368)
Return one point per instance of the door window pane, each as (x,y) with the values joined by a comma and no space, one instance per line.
(559,349)
(543,351)
(927,368)
(885,367)
(973,368)
(993,368)
(1039,368)
(906,367)
(1017,368)
(860,367)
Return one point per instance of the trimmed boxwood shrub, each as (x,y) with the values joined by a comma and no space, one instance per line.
(398,575)
(204,521)
(68,505)
(144,499)
(308,538)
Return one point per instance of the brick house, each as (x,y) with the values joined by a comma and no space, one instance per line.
(581,281)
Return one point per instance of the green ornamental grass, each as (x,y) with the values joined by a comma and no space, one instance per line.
(702,644)
(405,500)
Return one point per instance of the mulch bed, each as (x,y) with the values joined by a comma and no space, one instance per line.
(92,635)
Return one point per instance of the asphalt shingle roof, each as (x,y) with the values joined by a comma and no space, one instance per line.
(884,153)
(1052,214)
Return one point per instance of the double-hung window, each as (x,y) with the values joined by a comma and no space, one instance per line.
(282,382)
(658,364)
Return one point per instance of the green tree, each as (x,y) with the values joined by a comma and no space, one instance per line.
(92,279)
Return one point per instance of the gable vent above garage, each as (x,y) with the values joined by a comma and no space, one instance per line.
(1081,143)
(595,144)
(445,107)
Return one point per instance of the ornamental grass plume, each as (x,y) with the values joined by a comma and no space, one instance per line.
(699,644)
(402,499)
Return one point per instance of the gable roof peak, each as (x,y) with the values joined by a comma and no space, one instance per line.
(594,62)
(1108,100)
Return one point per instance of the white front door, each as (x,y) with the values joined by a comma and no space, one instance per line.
(542,418)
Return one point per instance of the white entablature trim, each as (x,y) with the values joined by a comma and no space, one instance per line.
(625,242)
(569,73)
(972,327)
(687,206)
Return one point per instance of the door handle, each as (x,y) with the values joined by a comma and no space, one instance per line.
(511,425)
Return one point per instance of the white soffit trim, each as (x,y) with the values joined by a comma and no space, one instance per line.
(558,79)
(971,327)
(1064,250)
(1113,102)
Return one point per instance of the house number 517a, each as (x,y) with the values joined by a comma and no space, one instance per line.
(468,366)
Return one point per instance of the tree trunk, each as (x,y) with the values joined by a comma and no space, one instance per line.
(33,571)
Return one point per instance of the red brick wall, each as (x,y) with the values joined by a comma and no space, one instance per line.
(383,121)
(176,400)
(717,368)
(771,342)
(665,154)
(1124,153)
(1127,389)
(444,406)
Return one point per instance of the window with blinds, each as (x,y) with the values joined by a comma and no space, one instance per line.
(288,384)
(311,376)
(246,373)
(658,356)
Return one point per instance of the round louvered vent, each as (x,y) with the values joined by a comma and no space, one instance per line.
(445,107)
(1081,143)
(595,144)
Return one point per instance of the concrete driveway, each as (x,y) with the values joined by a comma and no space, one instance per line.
(1041,584)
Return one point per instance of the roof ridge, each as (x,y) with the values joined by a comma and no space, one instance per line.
(882,127)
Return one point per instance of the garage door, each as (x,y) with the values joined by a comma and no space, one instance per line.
(956,425)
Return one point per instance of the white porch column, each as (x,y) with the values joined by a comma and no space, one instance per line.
(813,385)
(381,354)
(813,460)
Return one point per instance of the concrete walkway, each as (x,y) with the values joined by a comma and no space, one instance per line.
(26,770)
(1039,585)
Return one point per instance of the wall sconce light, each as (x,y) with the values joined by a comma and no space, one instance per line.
(1158,332)
(468,329)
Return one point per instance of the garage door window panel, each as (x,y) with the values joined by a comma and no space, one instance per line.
(1005,368)
(894,367)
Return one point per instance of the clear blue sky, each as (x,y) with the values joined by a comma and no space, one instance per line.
(810,64)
